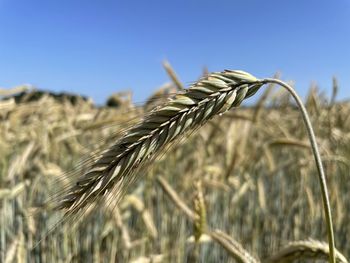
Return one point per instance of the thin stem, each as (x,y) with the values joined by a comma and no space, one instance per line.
(322,177)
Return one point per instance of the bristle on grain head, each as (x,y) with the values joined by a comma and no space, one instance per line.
(117,166)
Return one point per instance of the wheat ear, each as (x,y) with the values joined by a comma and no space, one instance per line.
(116,168)
(307,249)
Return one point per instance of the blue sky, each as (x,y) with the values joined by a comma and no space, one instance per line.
(99,47)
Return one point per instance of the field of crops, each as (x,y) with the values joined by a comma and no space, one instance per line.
(240,189)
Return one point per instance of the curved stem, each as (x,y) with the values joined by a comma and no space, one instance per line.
(322,177)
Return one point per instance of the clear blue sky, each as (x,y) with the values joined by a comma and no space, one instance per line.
(99,47)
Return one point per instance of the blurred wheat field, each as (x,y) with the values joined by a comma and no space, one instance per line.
(249,173)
